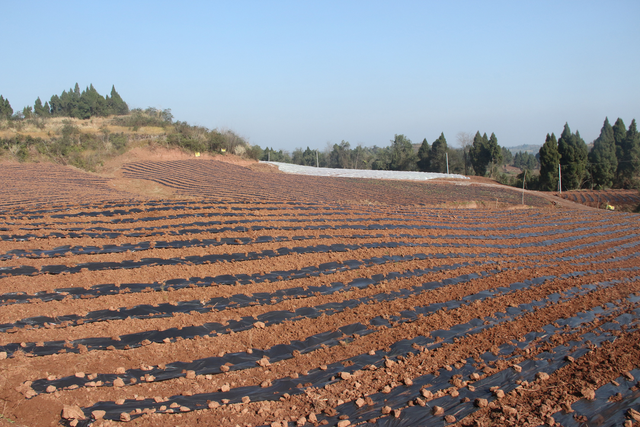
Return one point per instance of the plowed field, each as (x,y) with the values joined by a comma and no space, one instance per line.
(620,199)
(211,178)
(256,311)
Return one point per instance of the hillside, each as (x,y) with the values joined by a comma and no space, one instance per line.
(88,144)
(525,148)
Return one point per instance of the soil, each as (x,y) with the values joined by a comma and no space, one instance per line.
(621,200)
(283,300)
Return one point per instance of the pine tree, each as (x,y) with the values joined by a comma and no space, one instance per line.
(55,106)
(629,164)
(495,153)
(477,155)
(115,104)
(423,156)
(5,108)
(438,155)
(39,110)
(92,104)
(485,153)
(573,158)
(619,135)
(602,158)
(549,161)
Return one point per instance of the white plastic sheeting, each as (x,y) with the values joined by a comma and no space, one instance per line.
(361,173)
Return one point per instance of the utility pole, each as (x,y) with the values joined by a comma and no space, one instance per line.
(559,179)
(317,164)
(447,157)
(524,177)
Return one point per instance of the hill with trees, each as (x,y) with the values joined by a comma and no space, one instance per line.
(84,129)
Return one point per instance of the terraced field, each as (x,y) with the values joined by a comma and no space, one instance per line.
(220,180)
(42,184)
(251,313)
(621,199)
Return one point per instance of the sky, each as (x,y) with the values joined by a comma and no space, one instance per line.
(289,74)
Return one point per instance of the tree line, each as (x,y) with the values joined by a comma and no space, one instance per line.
(484,154)
(566,163)
(613,162)
(81,105)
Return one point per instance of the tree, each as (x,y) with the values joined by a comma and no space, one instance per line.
(465,140)
(549,161)
(423,156)
(629,164)
(269,154)
(359,157)
(340,157)
(438,155)
(495,154)
(115,104)
(619,133)
(478,154)
(602,158)
(5,108)
(88,104)
(524,160)
(92,104)
(456,160)
(573,158)
(507,156)
(40,110)
(485,154)
(27,112)
(402,157)
(309,157)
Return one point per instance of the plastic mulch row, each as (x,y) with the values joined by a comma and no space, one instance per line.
(400,395)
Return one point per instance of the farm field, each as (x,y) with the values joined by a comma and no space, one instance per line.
(621,199)
(383,306)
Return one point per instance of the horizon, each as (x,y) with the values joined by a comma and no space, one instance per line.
(289,75)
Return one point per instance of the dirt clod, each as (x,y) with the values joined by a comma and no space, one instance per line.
(72,412)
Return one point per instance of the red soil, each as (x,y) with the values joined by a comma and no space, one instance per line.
(382,219)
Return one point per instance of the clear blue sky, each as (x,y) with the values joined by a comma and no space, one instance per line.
(289,74)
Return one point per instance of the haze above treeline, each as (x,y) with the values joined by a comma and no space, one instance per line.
(612,161)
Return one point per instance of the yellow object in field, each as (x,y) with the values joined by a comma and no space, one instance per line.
(223,150)
(198,154)
(610,208)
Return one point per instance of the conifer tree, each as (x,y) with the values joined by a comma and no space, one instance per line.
(438,155)
(573,158)
(629,164)
(485,153)
(39,110)
(495,153)
(115,104)
(602,158)
(5,108)
(549,161)
(619,134)
(477,155)
(423,156)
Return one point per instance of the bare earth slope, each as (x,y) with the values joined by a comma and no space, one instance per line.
(315,308)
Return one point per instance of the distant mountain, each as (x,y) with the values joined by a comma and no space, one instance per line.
(525,148)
